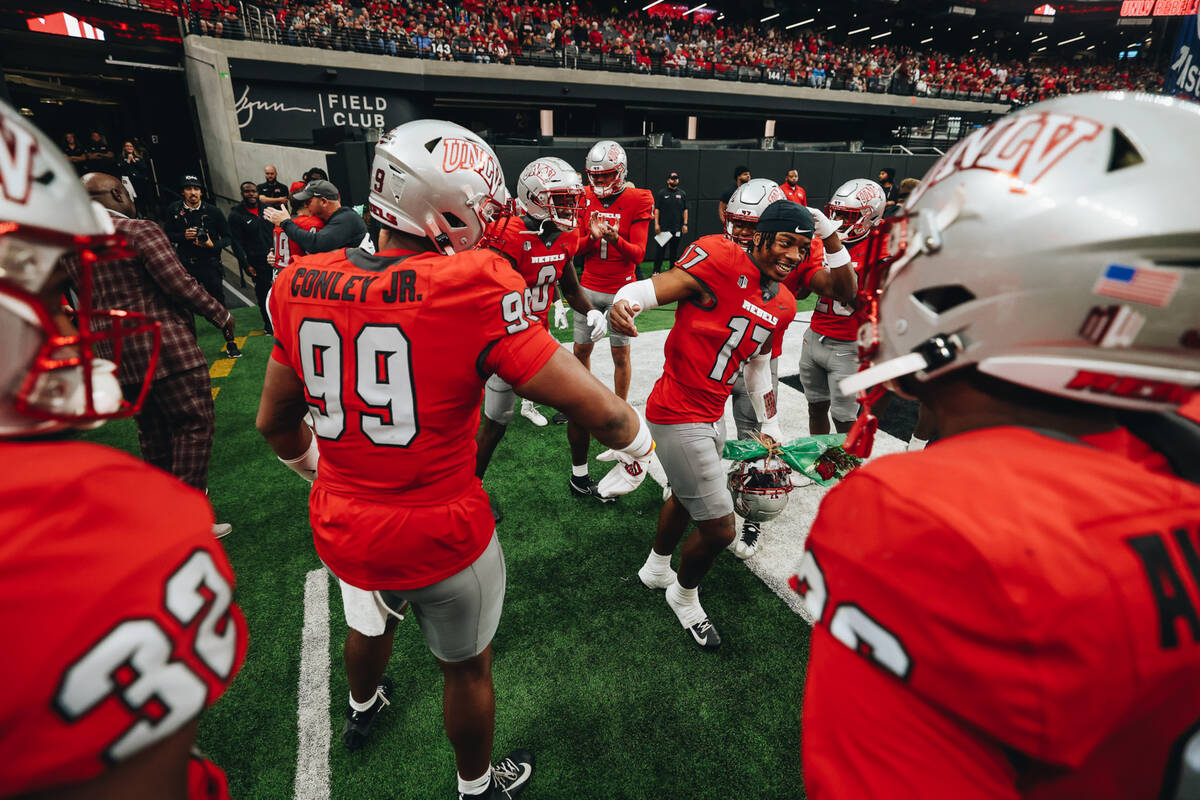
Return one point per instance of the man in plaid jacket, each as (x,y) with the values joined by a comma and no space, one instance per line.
(175,426)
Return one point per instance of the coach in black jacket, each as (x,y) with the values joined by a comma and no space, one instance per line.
(252,236)
(343,228)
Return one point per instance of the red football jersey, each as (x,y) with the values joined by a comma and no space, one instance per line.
(837,320)
(394,358)
(605,268)
(117,609)
(1026,626)
(285,248)
(708,343)
(540,264)
(794,193)
(797,281)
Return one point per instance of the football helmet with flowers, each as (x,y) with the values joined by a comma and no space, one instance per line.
(549,189)
(858,204)
(1056,249)
(437,180)
(51,376)
(746,206)
(606,165)
(760,488)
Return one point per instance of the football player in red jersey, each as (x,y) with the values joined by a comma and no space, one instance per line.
(1014,612)
(830,343)
(745,206)
(617,219)
(540,244)
(117,615)
(286,250)
(730,305)
(397,512)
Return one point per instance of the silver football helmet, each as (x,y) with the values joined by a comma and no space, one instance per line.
(550,188)
(50,378)
(858,204)
(760,488)
(747,204)
(606,165)
(437,180)
(1055,249)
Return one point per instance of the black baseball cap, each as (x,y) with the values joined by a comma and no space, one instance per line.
(784,216)
(190,180)
(672,175)
(317,188)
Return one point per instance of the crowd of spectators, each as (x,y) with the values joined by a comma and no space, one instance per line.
(662,42)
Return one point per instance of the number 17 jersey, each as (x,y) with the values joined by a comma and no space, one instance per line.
(714,335)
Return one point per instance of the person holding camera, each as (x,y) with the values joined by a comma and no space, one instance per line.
(199,232)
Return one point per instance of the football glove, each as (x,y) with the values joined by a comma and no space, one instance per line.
(625,476)
(598,324)
(560,314)
(825,227)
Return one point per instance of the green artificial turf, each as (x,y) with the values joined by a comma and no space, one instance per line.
(592,671)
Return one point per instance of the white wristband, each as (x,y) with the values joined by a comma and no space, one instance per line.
(639,294)
(642,444)
(839,259)
(305,464)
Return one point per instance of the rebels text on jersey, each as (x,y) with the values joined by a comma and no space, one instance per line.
(539,263)
(394,350)
(1029,630)
(607,266)
(838,320)
(285,248)
(713,335)
(118,615)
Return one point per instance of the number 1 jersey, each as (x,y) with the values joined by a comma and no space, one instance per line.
(712,336)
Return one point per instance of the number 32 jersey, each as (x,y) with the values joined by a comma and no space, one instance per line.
(117,610)
(394,350)
(713,335)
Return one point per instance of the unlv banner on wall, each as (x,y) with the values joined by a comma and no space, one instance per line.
(1183,75)
(286,112)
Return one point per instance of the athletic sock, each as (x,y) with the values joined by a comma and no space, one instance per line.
(477,786)
(357,706)
(658,564)
(915,444)
(579,470)
(685,603)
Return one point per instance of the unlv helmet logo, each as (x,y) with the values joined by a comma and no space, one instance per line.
(774,195)
(1023,146)
(17,148)
(467,155)
(634,469)
(614,153)
(866,194)
(543,172)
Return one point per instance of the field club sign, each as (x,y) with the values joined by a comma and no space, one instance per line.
(286,112)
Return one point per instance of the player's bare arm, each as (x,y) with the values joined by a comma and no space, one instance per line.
(666,287)
(572,292)
(280,419)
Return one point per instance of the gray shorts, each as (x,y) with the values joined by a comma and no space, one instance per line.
(743,410)
(690,453)
(824,362)
(499,400)
(583,332)
(459,615)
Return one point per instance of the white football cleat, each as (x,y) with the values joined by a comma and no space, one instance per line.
(222,529)
(746,544)
(530,412)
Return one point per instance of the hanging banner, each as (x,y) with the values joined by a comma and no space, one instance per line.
(1183,74)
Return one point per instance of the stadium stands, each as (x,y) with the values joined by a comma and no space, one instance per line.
(659,42)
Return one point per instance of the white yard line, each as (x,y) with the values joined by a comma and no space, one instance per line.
(782,542)
(238,295)
(312,760)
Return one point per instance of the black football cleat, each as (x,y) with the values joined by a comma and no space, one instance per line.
(231,349)
(358,723)
(559,418)
(497,514)
(510,777)
(704,633)
(586,487)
